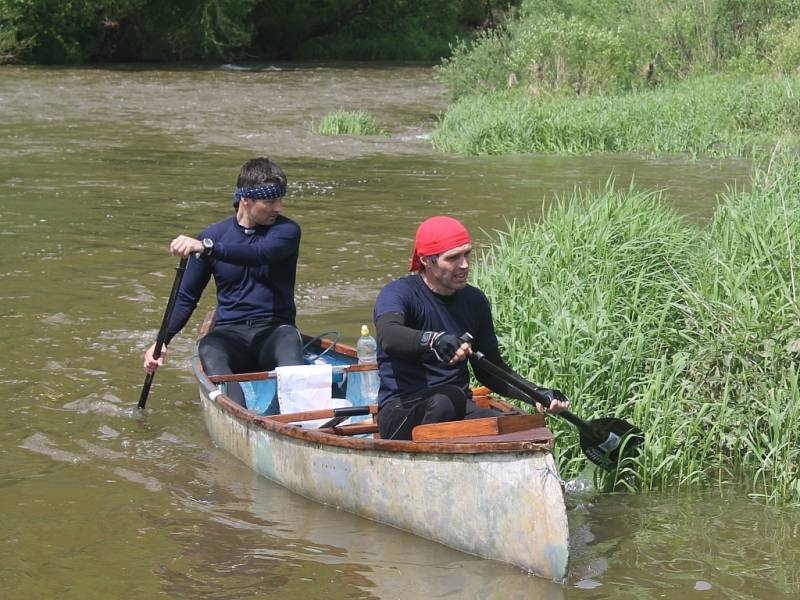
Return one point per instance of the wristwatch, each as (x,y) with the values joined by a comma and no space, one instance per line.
(426,339)
(208,246)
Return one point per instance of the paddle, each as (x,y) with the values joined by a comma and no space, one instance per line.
(162,333)
(345,412)
(604,441)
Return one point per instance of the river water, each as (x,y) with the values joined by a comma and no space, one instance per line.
(99,169)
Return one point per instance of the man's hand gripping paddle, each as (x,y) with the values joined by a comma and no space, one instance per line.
(604,441)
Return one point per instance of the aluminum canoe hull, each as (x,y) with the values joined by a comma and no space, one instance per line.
(504,506)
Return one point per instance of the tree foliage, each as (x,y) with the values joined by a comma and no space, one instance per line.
(75,31)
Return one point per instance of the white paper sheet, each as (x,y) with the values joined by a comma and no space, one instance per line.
(304,388)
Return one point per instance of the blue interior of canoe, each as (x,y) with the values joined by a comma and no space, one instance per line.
(261,398)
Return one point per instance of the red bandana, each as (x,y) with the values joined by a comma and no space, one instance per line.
(437,235)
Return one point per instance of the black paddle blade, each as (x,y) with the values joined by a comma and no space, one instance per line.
(607,441)
(603,441)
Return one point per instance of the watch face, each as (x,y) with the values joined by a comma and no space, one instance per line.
(426,338)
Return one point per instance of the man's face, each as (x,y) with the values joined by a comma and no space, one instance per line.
(265,212)
(450,271)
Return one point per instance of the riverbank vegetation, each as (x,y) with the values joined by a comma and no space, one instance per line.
(56,32)
(693,335)
(712,115)
(563,76)
(348,122)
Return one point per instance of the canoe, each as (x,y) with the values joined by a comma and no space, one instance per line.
(487,487)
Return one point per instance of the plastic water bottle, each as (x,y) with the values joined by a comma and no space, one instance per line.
(367,351)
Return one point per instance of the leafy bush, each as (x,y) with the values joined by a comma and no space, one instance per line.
(556,52)
(475,65)
(582,47)
(52,31)
(391,30)
(782,47)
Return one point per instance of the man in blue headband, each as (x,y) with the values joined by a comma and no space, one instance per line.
(253,258)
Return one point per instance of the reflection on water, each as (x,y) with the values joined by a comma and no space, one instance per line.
(99,169)
(704,542)
(368,559)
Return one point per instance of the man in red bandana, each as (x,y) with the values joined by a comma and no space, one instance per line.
(420,319)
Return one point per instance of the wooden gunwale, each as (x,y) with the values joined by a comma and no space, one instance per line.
(542,442)
(264,375)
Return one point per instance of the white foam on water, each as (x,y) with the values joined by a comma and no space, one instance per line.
(41,444)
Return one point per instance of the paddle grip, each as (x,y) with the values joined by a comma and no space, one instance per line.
(351,411)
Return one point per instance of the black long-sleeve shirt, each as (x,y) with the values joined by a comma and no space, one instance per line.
(254,271)
(406,308)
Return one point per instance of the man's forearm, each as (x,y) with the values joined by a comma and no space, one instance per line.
(396,338)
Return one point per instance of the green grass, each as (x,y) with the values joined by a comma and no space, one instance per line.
(349,122)
(693,335)
(709,116)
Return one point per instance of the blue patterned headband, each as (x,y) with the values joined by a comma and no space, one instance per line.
(271,191)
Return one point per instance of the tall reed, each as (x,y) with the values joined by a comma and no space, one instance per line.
(749,323)
(694,335)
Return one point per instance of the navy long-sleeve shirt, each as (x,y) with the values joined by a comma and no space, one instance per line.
(254,271)
(405,367)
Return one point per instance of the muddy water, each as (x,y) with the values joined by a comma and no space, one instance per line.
(99,168)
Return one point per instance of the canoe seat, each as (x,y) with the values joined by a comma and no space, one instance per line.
(502,426)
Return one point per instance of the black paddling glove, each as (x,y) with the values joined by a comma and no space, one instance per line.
(445,346)
(545,396)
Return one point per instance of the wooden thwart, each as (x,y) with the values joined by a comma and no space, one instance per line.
(359,428)
(471,428)
(312,415)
